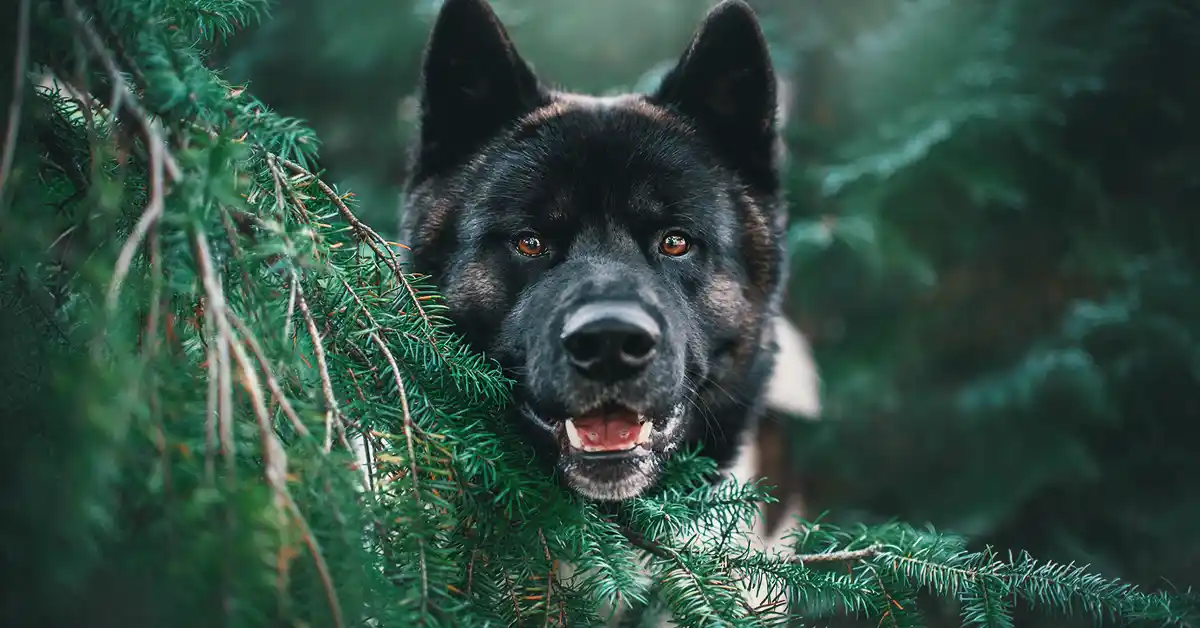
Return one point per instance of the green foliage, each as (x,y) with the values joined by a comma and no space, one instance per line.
(210,334)
(997,265)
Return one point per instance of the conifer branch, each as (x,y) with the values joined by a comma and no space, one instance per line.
(332,413)
(150,216)
(123,100)
(18,96)
(221,339)
(670,554)
(408,424)
(272,383)
(275,470)
(839,556)
(371,237)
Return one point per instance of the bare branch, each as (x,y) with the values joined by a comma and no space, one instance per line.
(150,216)
(222,338)
(836,557)
(210,410)
(272,382)
(14,110)
(331,406)
(291,310)
(275,465)
(373,240)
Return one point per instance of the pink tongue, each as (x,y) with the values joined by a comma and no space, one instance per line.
(611,432)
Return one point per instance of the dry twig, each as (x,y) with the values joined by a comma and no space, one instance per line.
(371,237)
(836,557)
(222,338)
(332,412)
(272,382)
(275,469)
(408,424)
(14,110)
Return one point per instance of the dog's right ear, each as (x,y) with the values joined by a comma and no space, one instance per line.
(473,84)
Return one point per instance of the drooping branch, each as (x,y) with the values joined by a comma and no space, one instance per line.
(371,237)
(275,470)
(332,412)
(220,340)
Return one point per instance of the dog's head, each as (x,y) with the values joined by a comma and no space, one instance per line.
(621,257)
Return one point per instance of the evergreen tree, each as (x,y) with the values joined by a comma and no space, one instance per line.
(996,257)
(208,334)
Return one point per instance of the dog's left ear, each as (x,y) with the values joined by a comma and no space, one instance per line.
(725,85)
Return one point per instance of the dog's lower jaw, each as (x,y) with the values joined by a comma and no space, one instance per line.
(639,471)
(642,475)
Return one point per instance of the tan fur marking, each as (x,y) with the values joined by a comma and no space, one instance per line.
(434,223)
(547,113)
(756,242)
(477,285)
(654,112)
(725,298)
(565,102)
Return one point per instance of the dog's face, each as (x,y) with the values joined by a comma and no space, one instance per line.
(620,257)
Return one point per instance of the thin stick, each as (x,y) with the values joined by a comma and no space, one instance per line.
(14,110)
(833,557)
(272,383)
(122,94)
(275,468)
(211,413)
(331,405)
(223,339)
(409,425)
(150,217)
(369,236)
(291,310)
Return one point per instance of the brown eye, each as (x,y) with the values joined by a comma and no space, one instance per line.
(530,245)
(674,245)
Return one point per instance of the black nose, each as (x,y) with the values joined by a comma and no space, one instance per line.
(610,341)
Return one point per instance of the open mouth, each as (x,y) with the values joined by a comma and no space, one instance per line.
(608,430)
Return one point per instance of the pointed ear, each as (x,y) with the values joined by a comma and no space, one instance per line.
(473,84)
(725,85)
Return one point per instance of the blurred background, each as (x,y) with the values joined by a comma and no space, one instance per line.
(994,238)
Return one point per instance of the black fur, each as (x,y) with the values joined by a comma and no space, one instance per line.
(601,182)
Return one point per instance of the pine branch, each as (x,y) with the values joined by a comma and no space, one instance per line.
(272,383)
(220,339)
(368,235)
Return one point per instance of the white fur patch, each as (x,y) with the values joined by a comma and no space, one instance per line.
(795,385)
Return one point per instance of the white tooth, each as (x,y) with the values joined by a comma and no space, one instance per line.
(573,435)
(644,434)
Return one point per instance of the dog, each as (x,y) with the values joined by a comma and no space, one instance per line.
(623,258)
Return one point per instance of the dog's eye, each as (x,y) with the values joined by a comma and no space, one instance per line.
(530,245)
(674,244)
